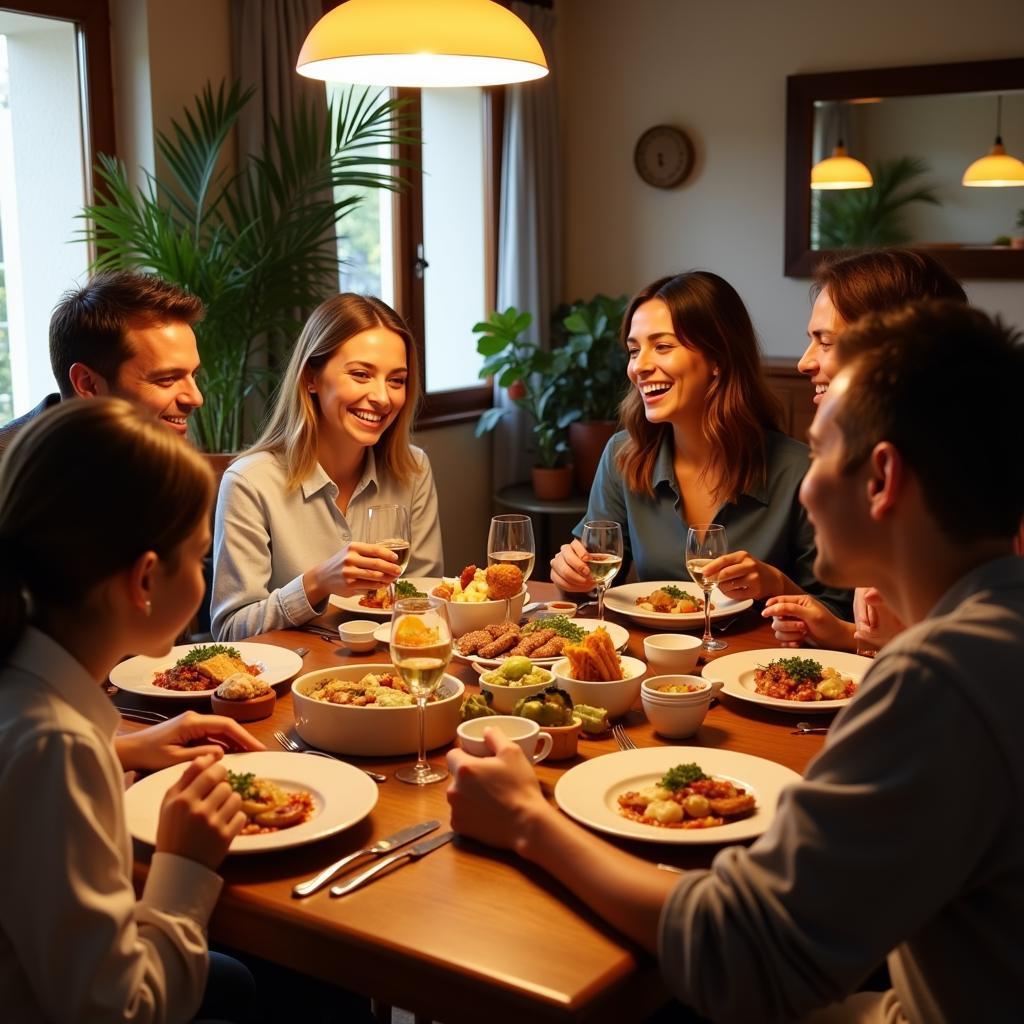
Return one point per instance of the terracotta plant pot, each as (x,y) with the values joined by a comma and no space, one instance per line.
(588,441)
(552,484)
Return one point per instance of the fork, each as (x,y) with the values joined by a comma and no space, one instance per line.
(141,715)
(293,745)
(624,742)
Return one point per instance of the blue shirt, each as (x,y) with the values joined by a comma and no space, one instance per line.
(767,520)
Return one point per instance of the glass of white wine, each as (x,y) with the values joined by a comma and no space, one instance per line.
(603,541)
(421,647)
(388,526)
(703,544)
(510,542)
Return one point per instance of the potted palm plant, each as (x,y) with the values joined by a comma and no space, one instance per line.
(256,245)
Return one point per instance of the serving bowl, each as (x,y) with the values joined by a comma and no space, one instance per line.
(467,616)
(616,696)
(357,635)
(372,731)
(672,652)
(504,698)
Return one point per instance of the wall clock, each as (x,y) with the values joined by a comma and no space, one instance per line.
(664,156)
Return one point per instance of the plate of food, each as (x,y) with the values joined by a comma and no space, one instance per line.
(377,603)
(289,799)
(670,604)
(670,794)
(196,670)
(542,640)
(807,682)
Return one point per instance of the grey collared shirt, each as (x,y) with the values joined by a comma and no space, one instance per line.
(768,520)
(266,537)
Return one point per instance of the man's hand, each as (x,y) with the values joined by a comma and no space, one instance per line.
(799,618)
(740,575)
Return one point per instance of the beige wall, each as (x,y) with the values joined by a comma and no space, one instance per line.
(719,70)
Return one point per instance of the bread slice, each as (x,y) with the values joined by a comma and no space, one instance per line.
(219,667)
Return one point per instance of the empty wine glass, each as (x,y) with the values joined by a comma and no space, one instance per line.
(703,544)
(510,542)
(603,541)
(421,647)
(388,526)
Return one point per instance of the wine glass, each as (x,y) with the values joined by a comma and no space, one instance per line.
(388,526)
(421,647)
(703,544)
(510,542)
(603,541)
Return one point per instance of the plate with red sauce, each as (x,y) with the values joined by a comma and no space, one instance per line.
(738,675)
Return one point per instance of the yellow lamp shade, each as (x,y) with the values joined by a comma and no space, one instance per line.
(417,43)
(997,170)
(840,171)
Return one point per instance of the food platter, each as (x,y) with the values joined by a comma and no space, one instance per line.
(736,673)
(589,791)
(342,795)
(136,674)
(619,636)
(350,602)
(623,601)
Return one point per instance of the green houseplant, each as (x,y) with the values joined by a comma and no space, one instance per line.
(255,245)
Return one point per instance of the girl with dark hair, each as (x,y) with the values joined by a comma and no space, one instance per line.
(103,526)
(701,445)
(292,510)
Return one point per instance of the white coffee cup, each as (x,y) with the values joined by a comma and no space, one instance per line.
(522,731)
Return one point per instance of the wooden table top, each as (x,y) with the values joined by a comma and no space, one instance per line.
(469,928)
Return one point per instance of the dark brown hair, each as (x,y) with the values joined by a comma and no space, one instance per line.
(709,316)
(291,430)
(883,279)
(84,490)
(942,382)
(89,324)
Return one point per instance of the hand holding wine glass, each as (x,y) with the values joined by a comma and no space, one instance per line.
(421,647)
(510,542)
(388,527)
(603,541)
(703,545)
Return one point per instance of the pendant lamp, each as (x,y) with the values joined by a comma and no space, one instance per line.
(840,171)
(998,169)
(421,43)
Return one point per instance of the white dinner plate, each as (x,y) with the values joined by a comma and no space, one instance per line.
(350,603)
(589,792)
(736,673)
(623,600)
(342,796)
(619,637)
(136,674)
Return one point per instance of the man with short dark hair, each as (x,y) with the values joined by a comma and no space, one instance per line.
(125,334)
(905,837)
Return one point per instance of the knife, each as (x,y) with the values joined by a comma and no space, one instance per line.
(414,852)
(400,838)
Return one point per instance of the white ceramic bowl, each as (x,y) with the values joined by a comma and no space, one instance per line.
(672,652)
(466,616)
(357,635)
(616,696)
(555,608)
(372,732)
(652,689)
(504,698)
(678,719)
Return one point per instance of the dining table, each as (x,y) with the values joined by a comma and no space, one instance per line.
(470,931)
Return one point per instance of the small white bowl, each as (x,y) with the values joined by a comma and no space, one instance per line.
(357,635)
(616,696)
(467,616)
(676,721)
(505,698)
(672,652)
(555,608)
(653,689)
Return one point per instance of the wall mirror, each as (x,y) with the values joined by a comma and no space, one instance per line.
(918,129)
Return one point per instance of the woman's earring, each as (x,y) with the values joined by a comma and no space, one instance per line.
(149,607)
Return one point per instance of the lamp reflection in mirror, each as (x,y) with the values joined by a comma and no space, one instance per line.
(840,170)
(415,44)
(998,169)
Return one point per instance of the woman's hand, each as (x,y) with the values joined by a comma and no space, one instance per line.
(740,575)
(355,567)
(799,618)
(876,623)
(495,799)
(181,739)
(200,814)
(569,569)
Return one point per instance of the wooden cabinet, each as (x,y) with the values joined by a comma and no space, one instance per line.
(794,392)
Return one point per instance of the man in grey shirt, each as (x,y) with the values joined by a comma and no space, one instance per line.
(905,838)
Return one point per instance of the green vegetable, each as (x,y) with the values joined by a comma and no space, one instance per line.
(242,784)
(516,668)
(403,588)
(801,669)
(477,705)
(562,625)
(551,707)
(198,654)
(674,591)
(594,720)
(682,775)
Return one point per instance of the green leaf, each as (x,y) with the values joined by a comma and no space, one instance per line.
(489,420)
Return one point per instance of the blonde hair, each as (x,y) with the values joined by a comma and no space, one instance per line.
(291,430)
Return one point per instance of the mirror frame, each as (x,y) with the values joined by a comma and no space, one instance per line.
(995,262)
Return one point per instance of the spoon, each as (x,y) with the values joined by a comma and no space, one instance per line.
(302,651)
(804,728)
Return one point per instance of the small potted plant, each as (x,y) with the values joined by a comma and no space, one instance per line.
(535,380)
(1017,241)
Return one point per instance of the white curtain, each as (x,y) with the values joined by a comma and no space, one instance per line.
(530,226)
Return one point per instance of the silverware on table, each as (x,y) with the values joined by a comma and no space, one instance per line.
(624,742)
(805,728)
(413,853)
(400,838)
(301,651)
(141,715)
(299,748)
(330,635)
